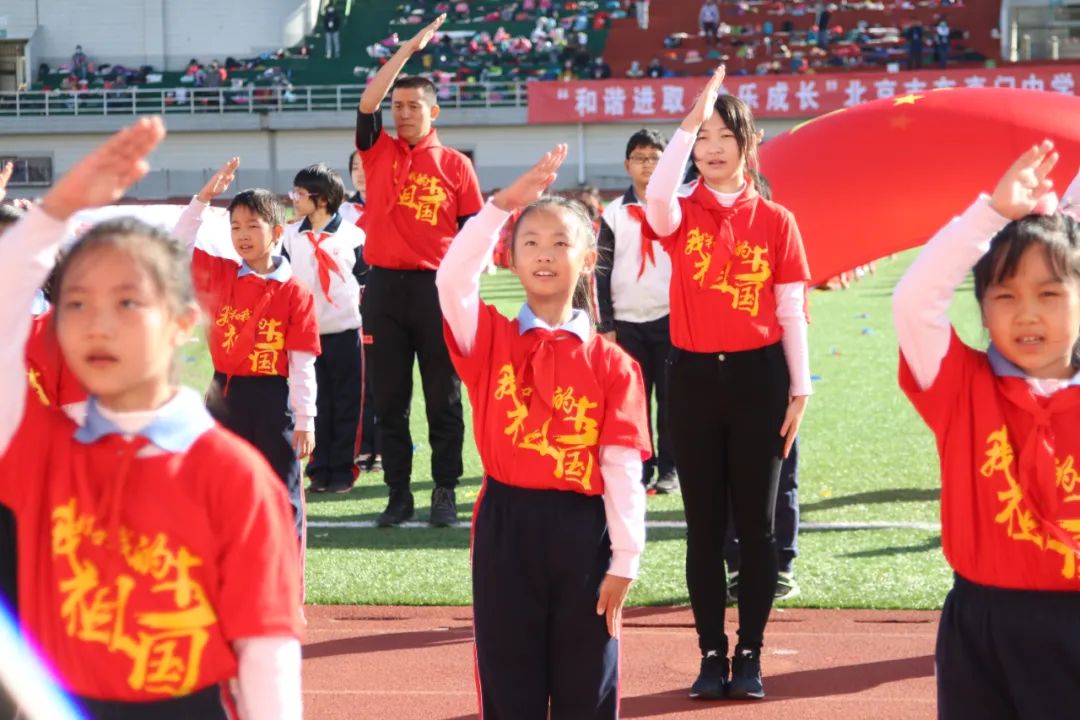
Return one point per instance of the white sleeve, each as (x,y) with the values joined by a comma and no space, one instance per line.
(269,678)
(187,225)
(302,389)
(458,277)
(27,255)
(624,507)
(661,195)
(791,314)
(922,297)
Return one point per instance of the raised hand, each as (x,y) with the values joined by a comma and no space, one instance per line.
(420,41)
(1023,185)
(705,103)
(5,175)
(220,182)
(531,185)
(103,176)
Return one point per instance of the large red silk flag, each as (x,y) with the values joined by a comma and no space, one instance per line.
(882,177)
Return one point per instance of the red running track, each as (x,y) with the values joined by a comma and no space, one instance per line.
(412,663)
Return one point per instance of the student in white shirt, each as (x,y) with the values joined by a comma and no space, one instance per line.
(325,252)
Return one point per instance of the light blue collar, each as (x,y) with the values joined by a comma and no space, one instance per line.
(1004,368)
(175,428)
(282,270)
(579,323)
(40,305)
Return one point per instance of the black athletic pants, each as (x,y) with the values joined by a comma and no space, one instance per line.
(339,373)
(726,410)
(786,521)
(650,344)
(538,558)
(257,409)
(401,313)
(1008,654)
(205,704)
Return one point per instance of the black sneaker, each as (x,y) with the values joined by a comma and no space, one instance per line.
(443,507)
(786,587)
(340,487)
(712,679)
(398,510)
(317,485)
(668,484)
(746,675)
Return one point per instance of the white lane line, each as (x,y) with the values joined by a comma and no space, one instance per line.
(675,524)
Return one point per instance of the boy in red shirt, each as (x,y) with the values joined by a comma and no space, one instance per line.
(419,194)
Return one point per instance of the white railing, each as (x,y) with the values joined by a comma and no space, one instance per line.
(248,99)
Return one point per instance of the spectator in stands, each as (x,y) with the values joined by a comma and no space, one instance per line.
(642,7)
(941,42)
(709,21)
(656,70)
(215,75)
(635,71)
(823,16)
(193,67)
(915,39)
(567,73)
(79,63)
(332,28)
(600,70)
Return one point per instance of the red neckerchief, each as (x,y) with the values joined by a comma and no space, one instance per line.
(540,365)
(402,168)
(705,198)
(1035,461)
(648,235)
(325,261)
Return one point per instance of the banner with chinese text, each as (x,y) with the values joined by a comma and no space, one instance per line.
(772,96)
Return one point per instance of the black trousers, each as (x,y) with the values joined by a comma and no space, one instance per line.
(401,313)
(257,409)
(726,414)
(786,522)
(650,344)
(538,558)
(339,371)
(205,704)
(1008,654)
(369,432)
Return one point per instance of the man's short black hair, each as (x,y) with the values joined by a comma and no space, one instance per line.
(647,139)
(324,182)
(425,86)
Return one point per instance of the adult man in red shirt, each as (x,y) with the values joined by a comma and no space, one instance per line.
(419,195)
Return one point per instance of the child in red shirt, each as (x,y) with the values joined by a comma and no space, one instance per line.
(152,573)
(560,424)
(263,335)
(1006,424)
(738,376)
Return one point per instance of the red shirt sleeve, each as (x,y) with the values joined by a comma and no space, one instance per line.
(258,554)
(25,461)
(469,200)
(625,417)
(937,403)
(303,331)
(471,368)
(383,144)
(791,265)
(209,274)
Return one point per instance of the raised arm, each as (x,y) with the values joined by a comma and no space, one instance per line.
(380,85)
(190,220)
(28,250)
(923,296)
(458,277)
(662,204)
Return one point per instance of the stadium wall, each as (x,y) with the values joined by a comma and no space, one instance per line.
(274,146)
(162,33)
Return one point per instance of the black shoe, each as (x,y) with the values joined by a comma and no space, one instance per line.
(443,507)
(398,510)
(317,485)
(746,675)
(712,679)
(341,487)
(668,484)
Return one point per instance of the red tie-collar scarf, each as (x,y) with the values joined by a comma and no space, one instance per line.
(722,216)
(538,370)
(1036,467)
(325,262)
(648,235)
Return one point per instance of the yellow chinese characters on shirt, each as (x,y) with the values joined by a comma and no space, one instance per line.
(1019,521)
(270,342)
(569,450)
(227,318)
(164,647)
(743,276)
(425,195)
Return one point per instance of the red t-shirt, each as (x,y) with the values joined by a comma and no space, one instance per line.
(49,378)
(597,398)
(253,321)
(134,584)
(990,530)
(415,197)
(723,300)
